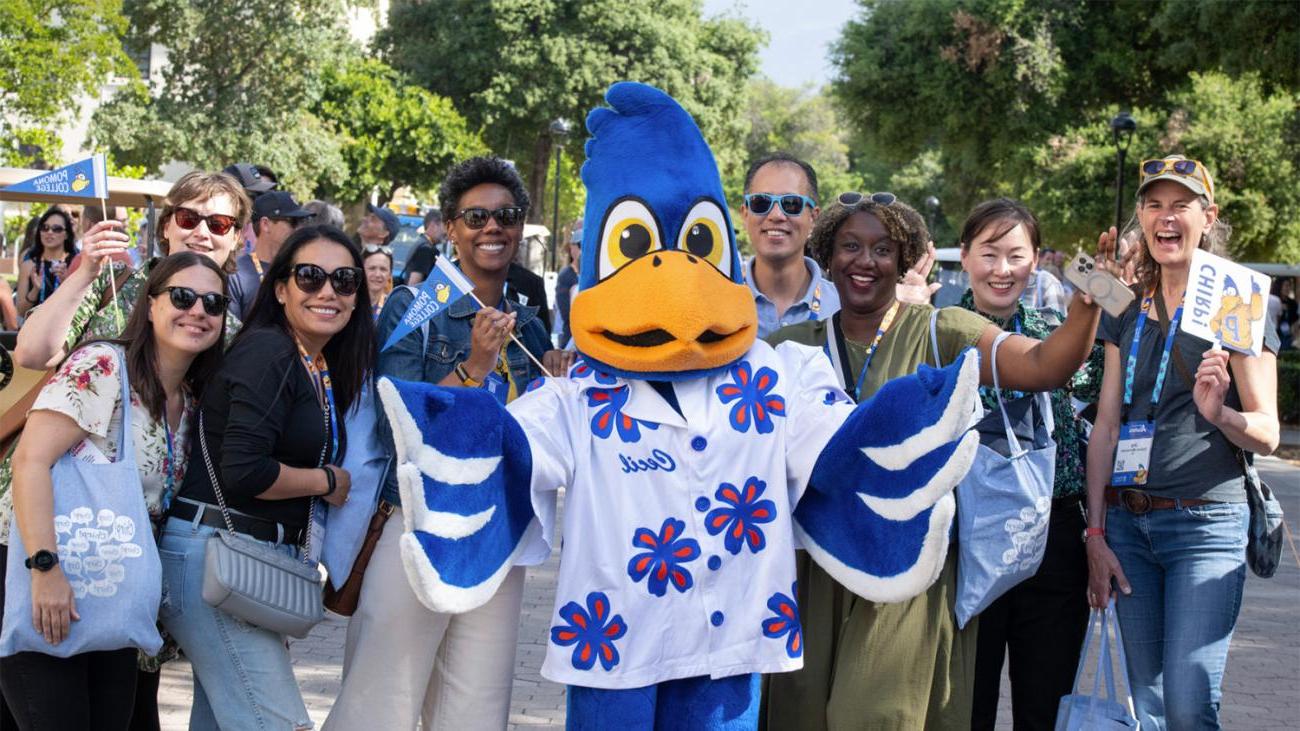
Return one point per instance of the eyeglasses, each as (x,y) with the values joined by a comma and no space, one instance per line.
(852,198)
(311,278)
(792,204)
(1185,168)
(183,298)
(52,229)
(477,218)
(373,248)
(218,223)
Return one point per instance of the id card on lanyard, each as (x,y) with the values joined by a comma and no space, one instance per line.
(1133,452)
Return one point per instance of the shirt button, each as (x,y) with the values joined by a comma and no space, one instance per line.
(716,618)
(715,563)
(701,504)
(699,443)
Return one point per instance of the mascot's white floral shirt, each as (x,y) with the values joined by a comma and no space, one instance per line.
(87,388)
(677,525)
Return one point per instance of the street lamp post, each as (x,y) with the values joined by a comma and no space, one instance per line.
(931,212)
(1122,128)
(559,131)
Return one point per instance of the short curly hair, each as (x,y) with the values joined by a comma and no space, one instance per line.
(906,228)
(477,171)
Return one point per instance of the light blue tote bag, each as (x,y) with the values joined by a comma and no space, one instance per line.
(106,549)
(1004,503)
(367,461)
(1081,712)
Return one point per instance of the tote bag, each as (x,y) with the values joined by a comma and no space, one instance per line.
(1082,712)
(106,549)
(1004,503)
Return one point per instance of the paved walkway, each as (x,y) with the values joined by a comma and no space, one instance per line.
(1260,689)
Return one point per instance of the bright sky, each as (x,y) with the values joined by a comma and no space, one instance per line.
(799,35)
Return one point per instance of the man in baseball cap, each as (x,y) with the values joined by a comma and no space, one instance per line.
(379,227)
(275,215)
(256,179)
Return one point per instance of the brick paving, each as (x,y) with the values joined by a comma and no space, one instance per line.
(1260,688)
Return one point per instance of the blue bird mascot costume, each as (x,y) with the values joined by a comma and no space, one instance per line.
(695,458)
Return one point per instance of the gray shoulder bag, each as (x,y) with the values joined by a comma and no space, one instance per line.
(246,578)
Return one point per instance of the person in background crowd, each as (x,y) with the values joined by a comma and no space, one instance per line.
(1045,292)
(564,284)
(433,243)
(46,261)
(1171,542)
(402,663)
(378,227)
(323,214)
(273,426)
(275,216)
(91,215)
(902,665)
(779,211)
(528,288)
(378,263)
(256,180)
(1041,621)
(1290,311)
(171,348)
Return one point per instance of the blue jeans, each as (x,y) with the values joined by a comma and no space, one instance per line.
(243,678)
(1187,567)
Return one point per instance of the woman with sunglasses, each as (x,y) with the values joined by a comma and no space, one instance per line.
(1172,539)
(903,665)
(378,263)
(47,259)
(402,662)
(171,347)
(271,426)
(1042,620)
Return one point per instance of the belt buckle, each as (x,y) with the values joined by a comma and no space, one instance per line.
(1135,501)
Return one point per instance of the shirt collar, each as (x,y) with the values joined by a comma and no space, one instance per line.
(814,292)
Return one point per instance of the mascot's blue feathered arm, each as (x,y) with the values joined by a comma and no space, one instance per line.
(466,502)
(879,506)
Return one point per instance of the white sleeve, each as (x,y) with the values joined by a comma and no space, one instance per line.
(545,415)
(815,405)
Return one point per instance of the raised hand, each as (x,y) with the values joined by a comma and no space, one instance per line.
(914,290)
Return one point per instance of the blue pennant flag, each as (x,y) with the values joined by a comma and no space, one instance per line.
(445,285)
(82,179)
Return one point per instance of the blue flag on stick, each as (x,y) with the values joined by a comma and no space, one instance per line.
(445,285)
(83,179)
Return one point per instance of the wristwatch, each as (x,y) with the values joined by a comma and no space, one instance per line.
(1090,532)
(42,560)
(466,378)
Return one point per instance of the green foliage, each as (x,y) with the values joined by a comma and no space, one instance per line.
(20,144)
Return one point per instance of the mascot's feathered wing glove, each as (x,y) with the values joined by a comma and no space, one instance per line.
(879,507)
(465,503)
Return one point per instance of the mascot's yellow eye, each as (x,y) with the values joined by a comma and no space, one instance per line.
(706,234)
(630,232)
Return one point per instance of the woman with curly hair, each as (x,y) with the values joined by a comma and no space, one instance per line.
(901,665)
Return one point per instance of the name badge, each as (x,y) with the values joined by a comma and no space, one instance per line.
(497,386)
(1133,454)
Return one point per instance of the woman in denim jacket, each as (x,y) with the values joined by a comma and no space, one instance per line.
(403,663)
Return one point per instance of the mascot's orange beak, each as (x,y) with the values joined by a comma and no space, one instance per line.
(665,312)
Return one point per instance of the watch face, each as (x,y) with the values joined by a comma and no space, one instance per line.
(43,560)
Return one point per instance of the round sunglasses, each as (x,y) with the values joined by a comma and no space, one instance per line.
(218,223)
(311,278)
(852,198)
(477,218)
(183,298)
(792,204)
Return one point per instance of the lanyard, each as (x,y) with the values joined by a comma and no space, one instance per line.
(1131,365)
(816,304)
(871,349)
(257,264)
(169,470)
(379,306)
(319,371)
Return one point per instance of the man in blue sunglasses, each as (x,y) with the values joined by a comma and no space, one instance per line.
(780,206)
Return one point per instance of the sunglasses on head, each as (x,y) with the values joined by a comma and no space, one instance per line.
(792,204)
(1185,168)
(218,223)
(373,248)
(183,298)
(852,198)
(477,218)
(311,278)
(52,229)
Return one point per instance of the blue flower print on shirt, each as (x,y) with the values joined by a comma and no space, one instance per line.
(739,521)
(754,401)
(834,396)
(583,369)
(592,630)
(785,623)
(663,556)
(609,414)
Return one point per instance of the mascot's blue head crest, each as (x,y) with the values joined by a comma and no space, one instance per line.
(662,288)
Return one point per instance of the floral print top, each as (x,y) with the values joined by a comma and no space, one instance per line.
(87,388)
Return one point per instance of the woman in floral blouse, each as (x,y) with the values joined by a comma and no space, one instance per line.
(1042,620)
(171,347)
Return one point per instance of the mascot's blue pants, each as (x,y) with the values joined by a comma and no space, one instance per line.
(729,704)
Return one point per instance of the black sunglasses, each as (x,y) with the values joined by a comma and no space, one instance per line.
(792,204)
(183,298)
(852,198)
(477,218)
(311,278)
(55,229)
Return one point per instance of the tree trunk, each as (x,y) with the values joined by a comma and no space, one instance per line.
(537,177)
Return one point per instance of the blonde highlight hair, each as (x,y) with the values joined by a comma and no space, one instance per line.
(200,185)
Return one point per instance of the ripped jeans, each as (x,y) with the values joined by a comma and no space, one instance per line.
(243,678)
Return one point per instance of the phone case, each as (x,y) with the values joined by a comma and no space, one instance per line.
(1106,289)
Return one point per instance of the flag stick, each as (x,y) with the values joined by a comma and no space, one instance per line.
(112,280)
(517,342)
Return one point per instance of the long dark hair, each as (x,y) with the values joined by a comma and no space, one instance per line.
(351,352)
(142,350)
(36,251)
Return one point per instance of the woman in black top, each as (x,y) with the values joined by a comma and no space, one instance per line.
(273,426)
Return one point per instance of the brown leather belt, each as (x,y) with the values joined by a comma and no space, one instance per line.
(1139,502)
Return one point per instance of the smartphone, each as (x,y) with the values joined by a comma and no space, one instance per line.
(1106,289)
